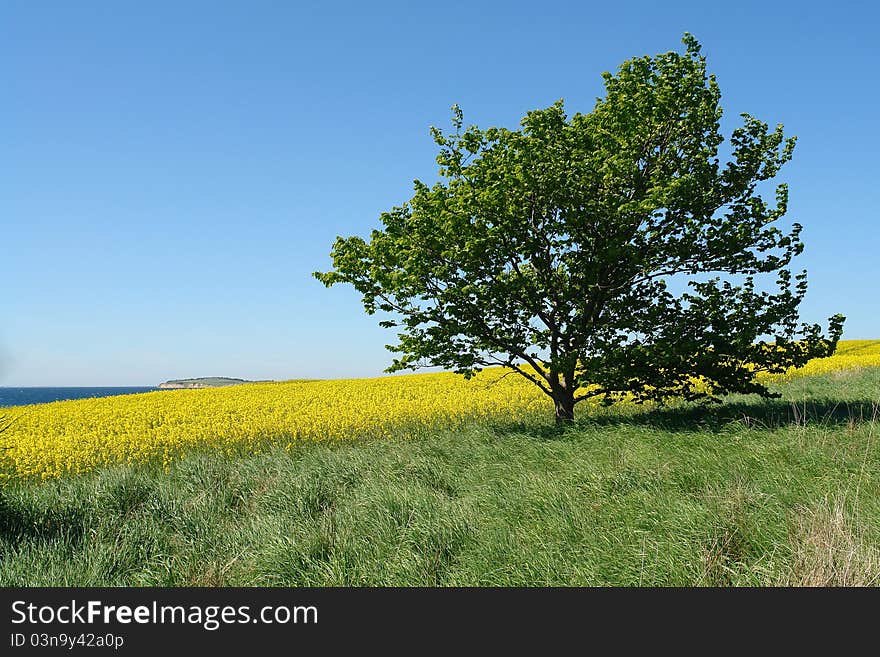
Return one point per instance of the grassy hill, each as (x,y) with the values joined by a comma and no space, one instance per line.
(753,492)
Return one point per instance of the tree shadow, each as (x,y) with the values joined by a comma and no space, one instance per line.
(757,414)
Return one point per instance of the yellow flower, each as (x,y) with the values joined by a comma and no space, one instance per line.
(49,440)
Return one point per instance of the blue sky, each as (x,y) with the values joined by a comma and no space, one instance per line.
(172,172)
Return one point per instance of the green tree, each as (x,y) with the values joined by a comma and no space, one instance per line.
(605,254)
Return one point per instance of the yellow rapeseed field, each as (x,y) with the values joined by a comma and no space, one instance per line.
(48,440)
(850,354)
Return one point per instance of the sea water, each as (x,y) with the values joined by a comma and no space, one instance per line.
(24,396)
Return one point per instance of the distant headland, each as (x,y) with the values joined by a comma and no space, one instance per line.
(204,382)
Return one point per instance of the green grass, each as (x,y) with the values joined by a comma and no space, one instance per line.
(750,493)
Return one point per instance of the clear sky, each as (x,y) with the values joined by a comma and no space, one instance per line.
(172,172)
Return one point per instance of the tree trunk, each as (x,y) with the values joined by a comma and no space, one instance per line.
(564,401)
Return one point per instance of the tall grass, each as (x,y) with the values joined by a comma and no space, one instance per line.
(754,492)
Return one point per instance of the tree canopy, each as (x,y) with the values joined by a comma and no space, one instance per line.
(608,254)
